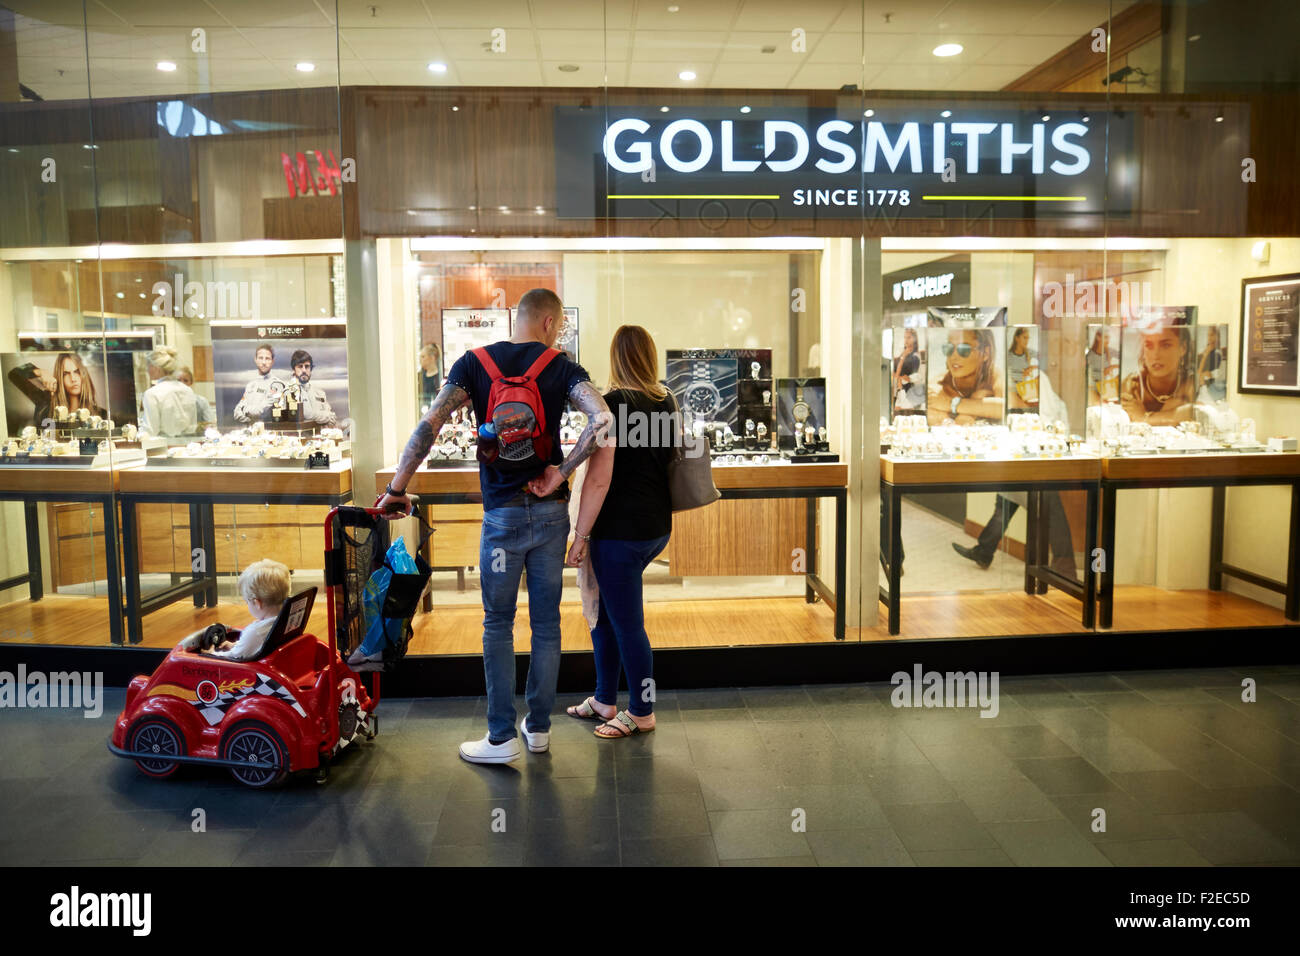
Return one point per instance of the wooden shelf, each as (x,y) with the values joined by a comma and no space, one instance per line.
(899,471)
(1218,465)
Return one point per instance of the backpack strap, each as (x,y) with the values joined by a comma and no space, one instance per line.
(548,355)
(489,366)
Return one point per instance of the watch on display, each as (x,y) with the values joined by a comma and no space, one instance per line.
(754,369)
(800,412)
(955,402)
(762,434)
(702,397)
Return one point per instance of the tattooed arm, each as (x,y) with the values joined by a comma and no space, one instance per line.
(417,447)
(588,401)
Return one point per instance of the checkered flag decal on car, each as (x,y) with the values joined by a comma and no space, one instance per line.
(215,711)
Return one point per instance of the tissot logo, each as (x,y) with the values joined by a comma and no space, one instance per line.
(839,146)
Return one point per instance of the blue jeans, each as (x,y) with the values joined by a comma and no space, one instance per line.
(619,636)
(529,537)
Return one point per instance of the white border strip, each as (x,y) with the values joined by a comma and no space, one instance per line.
(178,250)
(610,244)
(999,244)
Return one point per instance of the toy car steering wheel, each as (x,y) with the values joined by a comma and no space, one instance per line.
(212,636)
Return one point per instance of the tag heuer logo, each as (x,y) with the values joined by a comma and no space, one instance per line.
(898,291)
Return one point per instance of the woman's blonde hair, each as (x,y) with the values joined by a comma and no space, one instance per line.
(634,361)
(164,359)
(265,580)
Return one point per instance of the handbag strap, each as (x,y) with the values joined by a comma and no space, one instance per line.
(678,446)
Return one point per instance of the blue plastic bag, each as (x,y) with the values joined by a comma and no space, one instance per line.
(382,630)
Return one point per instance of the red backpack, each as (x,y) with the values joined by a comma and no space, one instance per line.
(515,409)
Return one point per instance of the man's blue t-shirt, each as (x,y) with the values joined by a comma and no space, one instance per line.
(554,384)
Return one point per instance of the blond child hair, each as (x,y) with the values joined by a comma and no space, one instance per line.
(266,581)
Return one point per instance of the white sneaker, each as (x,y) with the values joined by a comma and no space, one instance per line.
(484,751)
(537,743)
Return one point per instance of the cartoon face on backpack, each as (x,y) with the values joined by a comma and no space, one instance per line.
(517,439)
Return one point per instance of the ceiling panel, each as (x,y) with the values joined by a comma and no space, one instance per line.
(775,76)
(264,13)
(664,75)
(583,44)
(502,73)
(483,14)
(692,49)
(388,43)
(319,45)
(747,47)
(468,45)
(693,15)
(579,15)
(388,14)
(181,15)
(1025,51)
(590,73)
(919,49)
(826,76)
(783,16)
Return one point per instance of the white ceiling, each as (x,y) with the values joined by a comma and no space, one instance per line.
(255,44)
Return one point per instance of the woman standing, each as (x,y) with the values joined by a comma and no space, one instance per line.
(170,407)
(908,392)
(971,391)
(1209,367)
(627,535)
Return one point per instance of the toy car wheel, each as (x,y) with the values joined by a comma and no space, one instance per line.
(158,737)
(256,744)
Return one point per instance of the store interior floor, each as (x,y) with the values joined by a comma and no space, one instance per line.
(1187,774)
(944,595)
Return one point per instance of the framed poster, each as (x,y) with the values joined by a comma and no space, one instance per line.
(968,367)
(466,329)
(252,361)
(1270,335)
(568,340)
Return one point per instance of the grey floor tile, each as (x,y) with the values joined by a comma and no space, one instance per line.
(656,776)
(962,858)
(494,854)
(1028,742)
(1153,853)
(376,843)
(1002,801)
(939,826)
(709,699)
(1171,791)
(1064,775)
(754,834)
(1046,843)
(808,860)
(590,841)
(670,851)
(875,847)
(908,785)
(482,822)
(835,806)
(1125,820)
(645,816)
(745,790)
(1115,752)
(178,848)
(1231,838)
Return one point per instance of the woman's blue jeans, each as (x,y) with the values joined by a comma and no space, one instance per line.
(619,638)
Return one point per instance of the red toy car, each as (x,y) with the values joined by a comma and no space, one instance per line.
(299,703)
(292,709)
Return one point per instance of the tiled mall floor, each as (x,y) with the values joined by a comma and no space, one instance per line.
(1186,773)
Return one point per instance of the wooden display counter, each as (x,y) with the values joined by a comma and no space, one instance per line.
(754,530)
(231,516)
(1218,471)
(76,538)
(1037,476)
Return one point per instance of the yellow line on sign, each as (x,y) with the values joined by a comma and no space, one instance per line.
(701,196)
(1016,198)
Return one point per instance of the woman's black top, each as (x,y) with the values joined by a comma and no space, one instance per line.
(907,364)
(638,506)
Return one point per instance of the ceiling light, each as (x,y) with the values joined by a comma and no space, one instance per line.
(436,67)
(138,279)
(868,112)
(674,8)
(13,149)
(167,66)
(947,49)
(1087,118)
(142,295)
(410,212)
(744,109)
(1046,117)
(1193,38)
(121,295)
(503,208)
(568,68)
(455,109)
(90,146)
(305,67)
(686,76)
(946,113)
(1219,118)
(472,208)
(539,210)
(663,109)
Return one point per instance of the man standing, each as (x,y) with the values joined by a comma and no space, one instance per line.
(522,531)
(315,406)
(260,390)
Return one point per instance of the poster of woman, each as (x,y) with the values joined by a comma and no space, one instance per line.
(38,384)
(908,373)
(1211,364)
(1158,364)
(967,376)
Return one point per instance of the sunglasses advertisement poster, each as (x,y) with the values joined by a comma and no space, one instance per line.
(36,384)
(1153,317)
(255,362)
(967,375)
(1025,345)
(568,340)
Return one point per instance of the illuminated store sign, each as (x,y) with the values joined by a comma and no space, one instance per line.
(805,164)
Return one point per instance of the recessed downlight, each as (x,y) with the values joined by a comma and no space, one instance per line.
(744,109)
(686,76)
(948,49)
(663,109)
(868,112)
(946,113)
(437,67)
(167,66)
(304,67)
(568,68)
